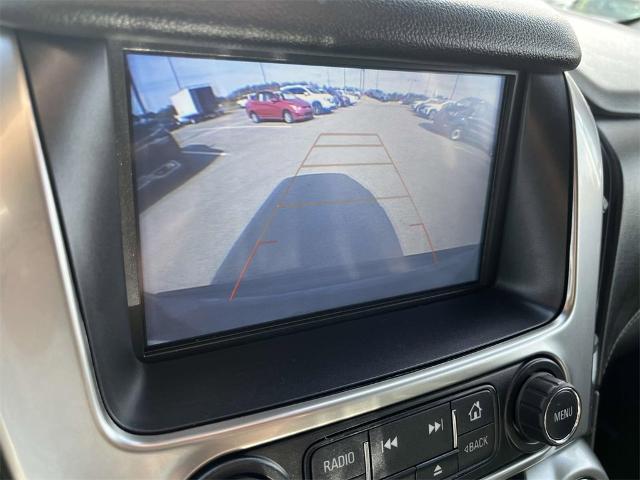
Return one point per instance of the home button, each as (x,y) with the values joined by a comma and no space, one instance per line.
(473,411)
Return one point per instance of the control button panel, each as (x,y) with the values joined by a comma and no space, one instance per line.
(473,411)
(433,441)
(341,460)
(407,442)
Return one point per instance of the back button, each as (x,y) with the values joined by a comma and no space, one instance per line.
(476,446)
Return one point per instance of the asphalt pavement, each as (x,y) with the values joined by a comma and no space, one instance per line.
(432,189)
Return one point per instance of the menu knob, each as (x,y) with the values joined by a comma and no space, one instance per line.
(548,409)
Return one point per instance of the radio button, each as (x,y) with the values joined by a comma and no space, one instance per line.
(476,446)
(341,460)
(411,440)
(473,411)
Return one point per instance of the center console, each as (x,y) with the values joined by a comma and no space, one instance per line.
(466,431)
(360,257)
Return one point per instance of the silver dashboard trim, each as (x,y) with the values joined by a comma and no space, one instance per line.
(572,462)
(69,416)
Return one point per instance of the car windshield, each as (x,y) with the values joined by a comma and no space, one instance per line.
(287,96)
(623,11)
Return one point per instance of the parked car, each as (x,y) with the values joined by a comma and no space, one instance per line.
(353,92)
(430,107)
(417,103)
(242,102)
(321,102)
(353,97)
(277,106)
(470,119)
(412,98)
(378,95)
(395,97)
(341,98)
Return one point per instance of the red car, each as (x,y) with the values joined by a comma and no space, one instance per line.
(278,106)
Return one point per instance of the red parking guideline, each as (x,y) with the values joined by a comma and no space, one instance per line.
(415,207)
(267,224)
(258,244)
(279,204)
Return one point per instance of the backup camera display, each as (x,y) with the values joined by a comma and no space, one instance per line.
(269,191)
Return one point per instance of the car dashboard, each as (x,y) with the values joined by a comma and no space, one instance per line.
(315,240)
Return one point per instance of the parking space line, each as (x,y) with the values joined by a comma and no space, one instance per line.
(345,134)
(392,197)
(219,154)
(351,145)
(320,165)
(230,127)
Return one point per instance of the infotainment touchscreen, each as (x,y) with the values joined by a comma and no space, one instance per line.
(271,192)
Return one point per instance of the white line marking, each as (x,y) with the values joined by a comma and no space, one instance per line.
(231,127)
(221,154)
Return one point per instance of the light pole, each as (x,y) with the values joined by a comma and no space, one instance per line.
(264,76)
(175,74)
(455,85)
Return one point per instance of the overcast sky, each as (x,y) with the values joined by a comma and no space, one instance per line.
(154,77)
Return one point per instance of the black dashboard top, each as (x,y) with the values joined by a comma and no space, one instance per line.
(507,34)
(608,81)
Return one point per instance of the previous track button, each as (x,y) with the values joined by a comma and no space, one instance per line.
(409,441)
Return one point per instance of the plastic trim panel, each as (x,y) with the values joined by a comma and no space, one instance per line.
(529,36)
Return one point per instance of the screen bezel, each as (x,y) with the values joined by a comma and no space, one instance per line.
(496,190)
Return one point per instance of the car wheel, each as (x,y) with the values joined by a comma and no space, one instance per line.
(317,108)
(287,117)
(254,117)
(430,114)
(455,134)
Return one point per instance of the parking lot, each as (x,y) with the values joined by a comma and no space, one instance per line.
(432,189)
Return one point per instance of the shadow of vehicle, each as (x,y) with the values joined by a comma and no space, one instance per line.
(318,242)
(317,221)
(160,166)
